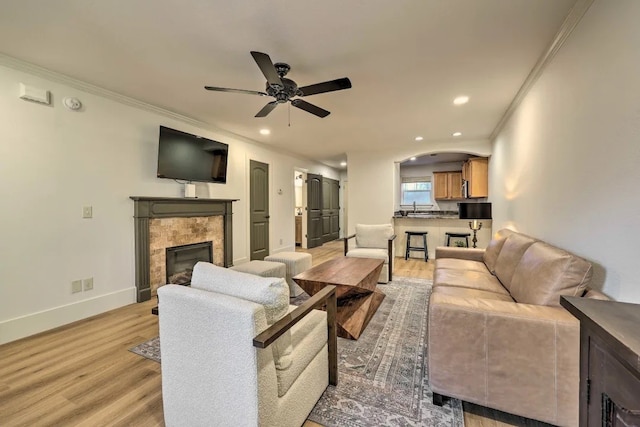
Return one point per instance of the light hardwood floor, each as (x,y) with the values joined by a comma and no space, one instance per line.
(82,374)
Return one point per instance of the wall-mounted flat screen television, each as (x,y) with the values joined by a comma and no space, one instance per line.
(190,157)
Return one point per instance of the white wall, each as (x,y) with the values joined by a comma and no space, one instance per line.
(372,176)
(54,161)
(566,167)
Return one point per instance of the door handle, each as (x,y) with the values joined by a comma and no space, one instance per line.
(268,216)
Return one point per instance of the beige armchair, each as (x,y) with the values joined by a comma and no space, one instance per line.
(373,241)
(234,353)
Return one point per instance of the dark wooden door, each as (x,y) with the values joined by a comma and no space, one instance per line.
(259,210)
(330,209)
(314,210)
(334,213)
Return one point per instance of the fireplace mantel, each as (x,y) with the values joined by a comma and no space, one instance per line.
(147,208)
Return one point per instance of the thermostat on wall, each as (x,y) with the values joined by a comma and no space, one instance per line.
(34,94)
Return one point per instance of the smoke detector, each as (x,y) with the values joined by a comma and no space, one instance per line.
(73,104)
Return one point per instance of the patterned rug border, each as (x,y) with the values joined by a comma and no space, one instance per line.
(374,390)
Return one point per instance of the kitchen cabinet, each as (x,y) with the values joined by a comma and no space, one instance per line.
(298,230)
(447,185)
(476,172)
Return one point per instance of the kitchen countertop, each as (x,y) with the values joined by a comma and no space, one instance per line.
(428,215)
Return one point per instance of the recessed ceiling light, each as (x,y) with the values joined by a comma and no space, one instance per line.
(419,138)
(412,159)
(463,99)
(265,131)
(343,163)
(457,134)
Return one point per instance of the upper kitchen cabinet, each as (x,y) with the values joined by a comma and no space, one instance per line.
(475,171)
(447,185)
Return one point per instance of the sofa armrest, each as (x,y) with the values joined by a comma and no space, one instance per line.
(471,254)
(325,297)
(518,358)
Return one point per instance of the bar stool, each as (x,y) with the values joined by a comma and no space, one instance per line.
(422,248)
(458,235)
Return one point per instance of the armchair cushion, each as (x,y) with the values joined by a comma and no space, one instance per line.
(270,292)
(382,254)
(373,236)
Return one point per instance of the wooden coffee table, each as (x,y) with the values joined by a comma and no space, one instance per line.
(358,296)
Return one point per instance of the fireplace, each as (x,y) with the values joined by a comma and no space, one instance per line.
(181,259)
(162,222)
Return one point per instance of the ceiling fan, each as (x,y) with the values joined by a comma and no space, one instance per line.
(283,89)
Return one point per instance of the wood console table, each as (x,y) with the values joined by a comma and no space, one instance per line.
(609,361)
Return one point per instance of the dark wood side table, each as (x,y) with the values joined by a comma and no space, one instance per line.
(609,361)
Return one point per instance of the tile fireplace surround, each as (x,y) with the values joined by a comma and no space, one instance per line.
(162,222)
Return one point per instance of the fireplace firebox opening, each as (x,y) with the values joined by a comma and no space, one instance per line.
(180,261)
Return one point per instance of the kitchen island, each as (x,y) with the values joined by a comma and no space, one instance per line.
(436,225)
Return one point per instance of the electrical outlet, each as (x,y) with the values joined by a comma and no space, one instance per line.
(76,286)
(87,284)
(87,212)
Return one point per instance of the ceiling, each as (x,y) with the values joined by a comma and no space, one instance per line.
(407,61)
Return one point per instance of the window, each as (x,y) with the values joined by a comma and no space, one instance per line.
(415,190)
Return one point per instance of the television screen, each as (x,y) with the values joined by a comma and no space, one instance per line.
(190,157)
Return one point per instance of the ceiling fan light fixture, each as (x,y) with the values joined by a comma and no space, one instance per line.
(461,100)
(284,89)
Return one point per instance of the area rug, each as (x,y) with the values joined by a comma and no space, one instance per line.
(382,377)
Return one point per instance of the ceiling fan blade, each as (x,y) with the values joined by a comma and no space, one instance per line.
(226,89)
(310,108)
(266,66)
(330,86)
(267,109)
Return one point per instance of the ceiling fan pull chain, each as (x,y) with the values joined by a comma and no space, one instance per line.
(289,110)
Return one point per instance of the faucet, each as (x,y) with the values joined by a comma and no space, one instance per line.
(414,206)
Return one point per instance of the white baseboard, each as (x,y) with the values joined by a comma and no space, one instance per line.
(240,260)
(30,324)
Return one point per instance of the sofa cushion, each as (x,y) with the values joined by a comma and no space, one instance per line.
(512,250)
(546,272)
(494,247)
(471,293)
(271,292)
(468,279)
(460,264)
(373,236)
(382,254)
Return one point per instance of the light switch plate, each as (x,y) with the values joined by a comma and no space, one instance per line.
(87,212)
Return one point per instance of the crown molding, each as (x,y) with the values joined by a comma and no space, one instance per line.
(572,20)
(27,67)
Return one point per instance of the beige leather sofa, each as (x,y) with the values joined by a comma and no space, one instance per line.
(498,336)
